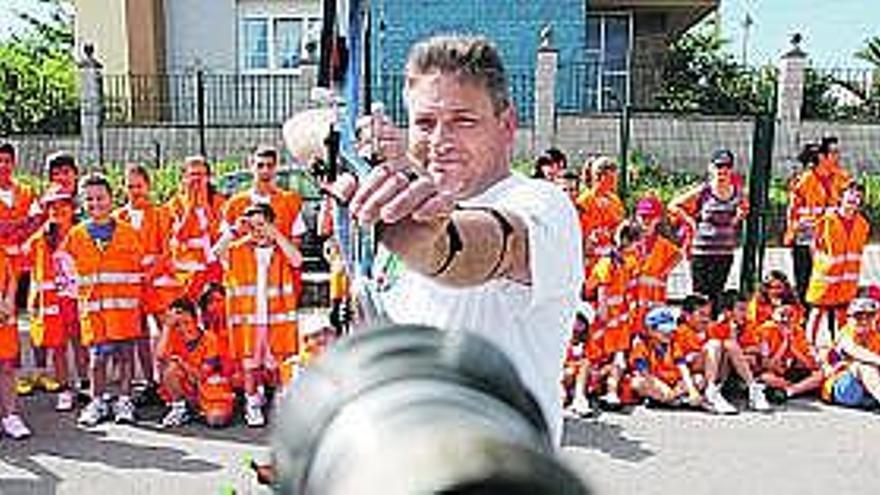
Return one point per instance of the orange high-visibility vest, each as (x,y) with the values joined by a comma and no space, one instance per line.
(22,199)
(44,299)
(8,327)
(837,259)
(649,282)
(109,283)
(241,302)
(809,198)
(613,275)
(600,215)
(162,286)
(285,204)
(193,234)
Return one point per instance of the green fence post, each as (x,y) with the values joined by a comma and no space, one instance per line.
(759,191)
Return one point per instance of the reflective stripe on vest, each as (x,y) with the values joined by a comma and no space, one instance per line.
(189,266)
(820,257)
(110,278)
(648,281)
(836,279)
(149,259)
(110,303)
(272,319)
(166,281)
(52,310)
(251,291)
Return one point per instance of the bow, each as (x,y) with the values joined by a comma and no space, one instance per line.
(357,245)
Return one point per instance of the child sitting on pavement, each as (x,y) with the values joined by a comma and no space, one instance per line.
(190,369)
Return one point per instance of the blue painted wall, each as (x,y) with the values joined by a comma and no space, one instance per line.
(514,26)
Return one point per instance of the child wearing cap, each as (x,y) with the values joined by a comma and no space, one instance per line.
(655,374)
(657,253)
(788,362)
(853,369)
(261,300)
(191,369)
(54,318)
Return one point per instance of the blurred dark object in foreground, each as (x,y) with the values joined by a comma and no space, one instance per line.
(412,410)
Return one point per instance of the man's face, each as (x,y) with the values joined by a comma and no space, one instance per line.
(195,175)
(138,188)
(454,128)
(65,177)
(99,203)
(833,155)
(264,168)
(647,222)
(216,304)
(7,165)
(723,172)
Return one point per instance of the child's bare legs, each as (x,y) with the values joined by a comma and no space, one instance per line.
(97,375)
(738,360)
(8,396)
(653,388)
(808,384)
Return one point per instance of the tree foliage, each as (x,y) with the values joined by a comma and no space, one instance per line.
(38,76)
(700,76)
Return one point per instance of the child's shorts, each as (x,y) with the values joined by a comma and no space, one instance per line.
(849,391)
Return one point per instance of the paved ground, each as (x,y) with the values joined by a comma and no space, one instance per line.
(806,448)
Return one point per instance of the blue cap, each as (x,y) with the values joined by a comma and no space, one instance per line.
(661,319)
(722,156)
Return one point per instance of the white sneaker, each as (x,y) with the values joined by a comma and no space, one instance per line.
(65,401)
(95,412)
(611,399)
(716,402)
(253,413)
(757,399)
(15,428)
(123,410)
(581,407)
(177,415)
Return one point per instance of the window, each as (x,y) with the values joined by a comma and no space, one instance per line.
(609,43)
(276,44)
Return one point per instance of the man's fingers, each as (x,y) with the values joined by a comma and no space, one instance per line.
(368,210)
(407,201)
(440,204)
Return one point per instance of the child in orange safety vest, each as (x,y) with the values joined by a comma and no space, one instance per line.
(191,369)
(610,279)
(52,307)
(841,236)
(261,301)
(106,257)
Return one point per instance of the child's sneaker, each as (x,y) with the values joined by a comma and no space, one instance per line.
(123,410)
(716,402)
(65,401)
(253,412)
(610,400)
(15,428)
(177,415)
(757,400)
(581,407)
(95,412)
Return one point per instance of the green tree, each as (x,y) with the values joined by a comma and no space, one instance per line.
(699,75)
(38,76)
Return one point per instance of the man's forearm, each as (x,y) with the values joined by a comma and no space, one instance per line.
(471,247)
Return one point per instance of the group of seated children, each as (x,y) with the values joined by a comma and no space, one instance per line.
(686,356)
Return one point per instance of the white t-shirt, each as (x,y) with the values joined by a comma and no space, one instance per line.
(530,323)
(136,217)
(264,261)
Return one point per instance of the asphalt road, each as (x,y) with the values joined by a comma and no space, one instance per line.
(805,448)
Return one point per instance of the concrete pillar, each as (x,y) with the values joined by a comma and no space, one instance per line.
(790,99)
(90,112)
(545,94)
